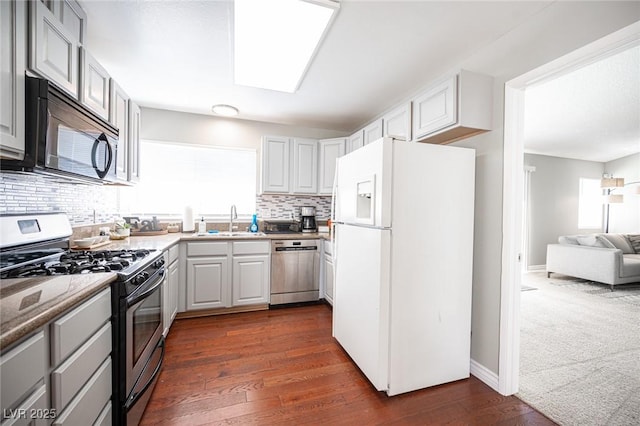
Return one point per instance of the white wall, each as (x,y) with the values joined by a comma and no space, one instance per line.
(554,191)
(556,31)
(625,217)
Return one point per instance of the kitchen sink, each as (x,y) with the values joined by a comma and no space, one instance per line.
(231,234)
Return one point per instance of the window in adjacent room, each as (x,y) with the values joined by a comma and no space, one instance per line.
(209,179)
(590,204)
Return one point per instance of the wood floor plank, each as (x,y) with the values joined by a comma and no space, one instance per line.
(283,367)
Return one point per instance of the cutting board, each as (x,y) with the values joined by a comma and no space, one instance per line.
(148,233)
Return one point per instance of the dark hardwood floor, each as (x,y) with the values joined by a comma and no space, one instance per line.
(283,367)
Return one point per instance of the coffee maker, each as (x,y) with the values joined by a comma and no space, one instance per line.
(308,214)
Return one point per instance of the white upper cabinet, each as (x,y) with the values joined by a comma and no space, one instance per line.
(289,165)
(134,142)
(355,141)
(53,50)
(436,108)
(329,151)
(372,132)
(119,117)
(275,164)
(72,17)
(95,85)
(12,68)
(305,166)
(397,123)
(456,108)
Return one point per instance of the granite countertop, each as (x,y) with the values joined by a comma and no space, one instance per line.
(27,304)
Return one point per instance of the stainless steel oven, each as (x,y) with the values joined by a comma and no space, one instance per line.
(144,343)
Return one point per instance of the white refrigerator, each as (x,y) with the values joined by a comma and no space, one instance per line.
(403,254)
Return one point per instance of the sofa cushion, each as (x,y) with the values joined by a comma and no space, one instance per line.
(594,241)
(568,239)
(620,242)
(631,266)
(634,241)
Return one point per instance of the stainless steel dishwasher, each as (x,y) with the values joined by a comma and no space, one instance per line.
(294,271)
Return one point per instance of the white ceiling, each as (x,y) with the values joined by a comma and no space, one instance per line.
(177,55)
(592,113)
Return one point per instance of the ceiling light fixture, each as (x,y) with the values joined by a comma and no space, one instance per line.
(226,110)
(275,41)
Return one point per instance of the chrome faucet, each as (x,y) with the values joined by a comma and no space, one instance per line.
(233,215)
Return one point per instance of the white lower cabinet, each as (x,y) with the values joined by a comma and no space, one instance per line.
(62,374)
(223,274)
(208,283)
(251,272)
(171,287)
(327,268)
(81,362)
(23,370)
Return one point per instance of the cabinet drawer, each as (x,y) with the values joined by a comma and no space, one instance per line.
(173,253)
(67,379)
(207,249)
(251,247)
(33,411)
(87,406)
(22,368)
(104,419)
(74,328)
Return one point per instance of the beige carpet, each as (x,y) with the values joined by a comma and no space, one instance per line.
(580,350)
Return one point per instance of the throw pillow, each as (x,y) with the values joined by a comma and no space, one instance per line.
(593,241)
(634,240)
(620,242)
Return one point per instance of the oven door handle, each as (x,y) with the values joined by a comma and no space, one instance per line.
(147,292)
(135,396)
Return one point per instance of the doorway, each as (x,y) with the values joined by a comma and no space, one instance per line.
(513,190)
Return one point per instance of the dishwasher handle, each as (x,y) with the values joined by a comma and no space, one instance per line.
(297,248)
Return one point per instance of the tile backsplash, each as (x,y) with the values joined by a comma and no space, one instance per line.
(22,193)
(87,204)
(282,206)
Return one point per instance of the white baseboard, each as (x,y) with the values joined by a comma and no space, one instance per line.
(537,268)
(485,375)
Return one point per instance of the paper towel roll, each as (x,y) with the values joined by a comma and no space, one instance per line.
(188,224)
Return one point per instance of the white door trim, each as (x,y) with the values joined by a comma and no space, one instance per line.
(509,355)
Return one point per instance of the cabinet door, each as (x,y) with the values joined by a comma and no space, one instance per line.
(275,164)
(305,166)
(134,142)
(328,278)
(397,123)
(94,79)
(53,51)
(330,151)
(119,117)
(250,279)
(435,109)
(207,283)
(173,284)
(355,141)
(72,17)
(373,132)
(12,67)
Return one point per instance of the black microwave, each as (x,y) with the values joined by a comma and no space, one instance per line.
(63,137)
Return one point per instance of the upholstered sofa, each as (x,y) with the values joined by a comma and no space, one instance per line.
(606,258)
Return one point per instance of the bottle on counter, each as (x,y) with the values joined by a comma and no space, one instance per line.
(254,224)
(202,226)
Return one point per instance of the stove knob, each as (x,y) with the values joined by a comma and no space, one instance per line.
(139,279)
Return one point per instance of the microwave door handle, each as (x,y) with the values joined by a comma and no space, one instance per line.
(94,152)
